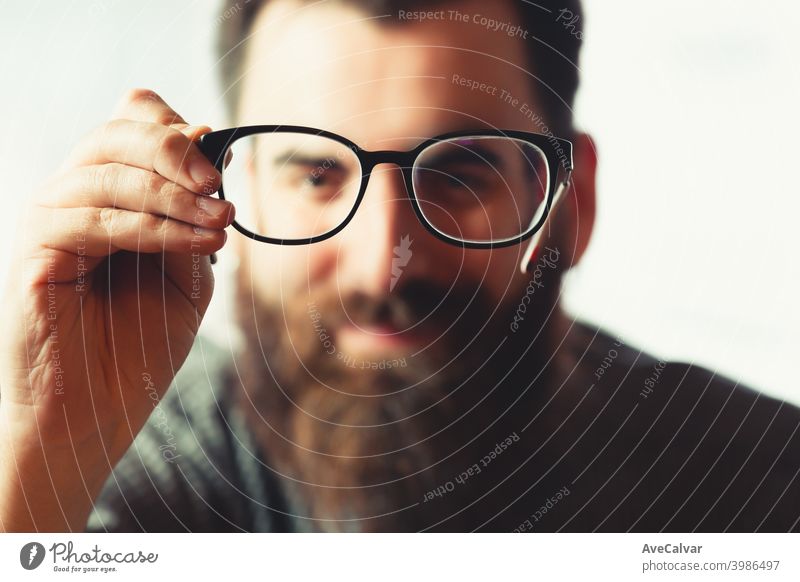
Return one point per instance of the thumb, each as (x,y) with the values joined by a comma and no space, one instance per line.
(193,275)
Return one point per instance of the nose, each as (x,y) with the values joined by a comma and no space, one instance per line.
(384,235)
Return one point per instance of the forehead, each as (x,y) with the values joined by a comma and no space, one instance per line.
(384,81)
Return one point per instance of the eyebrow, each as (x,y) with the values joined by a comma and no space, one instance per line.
(463,155)
(304,160)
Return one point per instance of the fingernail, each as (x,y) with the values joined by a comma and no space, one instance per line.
(204,174)
(214,206)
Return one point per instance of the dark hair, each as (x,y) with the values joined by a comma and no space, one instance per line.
(553,31)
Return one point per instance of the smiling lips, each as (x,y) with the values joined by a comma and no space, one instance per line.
(379,337)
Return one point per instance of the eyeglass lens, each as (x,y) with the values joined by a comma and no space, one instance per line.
(295,186)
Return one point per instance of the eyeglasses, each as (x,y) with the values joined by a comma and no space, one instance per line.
(479,189)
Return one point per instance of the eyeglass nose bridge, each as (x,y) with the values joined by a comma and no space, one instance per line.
(405,161)
(371,159)
(402,159)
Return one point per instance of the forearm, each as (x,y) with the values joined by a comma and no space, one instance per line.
(46,488)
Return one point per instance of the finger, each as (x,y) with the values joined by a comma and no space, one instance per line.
(98,232)
(194,275)
(150,147)
(148,106)
(195,132)
(119,186)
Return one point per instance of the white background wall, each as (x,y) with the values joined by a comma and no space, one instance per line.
(693,106)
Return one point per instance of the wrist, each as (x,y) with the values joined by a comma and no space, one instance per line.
(46,486)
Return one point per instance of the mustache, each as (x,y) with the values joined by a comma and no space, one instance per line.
(416,302)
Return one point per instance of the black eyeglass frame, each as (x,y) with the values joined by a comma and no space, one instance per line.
(215,144)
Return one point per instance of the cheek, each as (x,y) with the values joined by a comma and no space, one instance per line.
(496,271)
(288,271)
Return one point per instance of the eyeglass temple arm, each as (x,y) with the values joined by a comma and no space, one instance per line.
(529,257)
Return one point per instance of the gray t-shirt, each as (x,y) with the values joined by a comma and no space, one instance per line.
(194,466)
(648,446)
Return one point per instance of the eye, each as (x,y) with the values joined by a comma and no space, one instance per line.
(315,179)
(317,185)
(464,178)
(312,180)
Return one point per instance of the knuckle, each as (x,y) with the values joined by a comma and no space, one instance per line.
(158,111)
(91,141)
(153,223)
(141,95)
(173,144)
(105,218)
(111,126)
(168,117)
(166,193)
(104,132)
(153,185)
(167,197)
(102,178)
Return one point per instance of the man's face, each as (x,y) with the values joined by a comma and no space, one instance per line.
(385,87)
(375,357)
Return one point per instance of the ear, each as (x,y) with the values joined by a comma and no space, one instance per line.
(577,213)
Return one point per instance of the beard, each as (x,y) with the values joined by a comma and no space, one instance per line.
(365,445)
